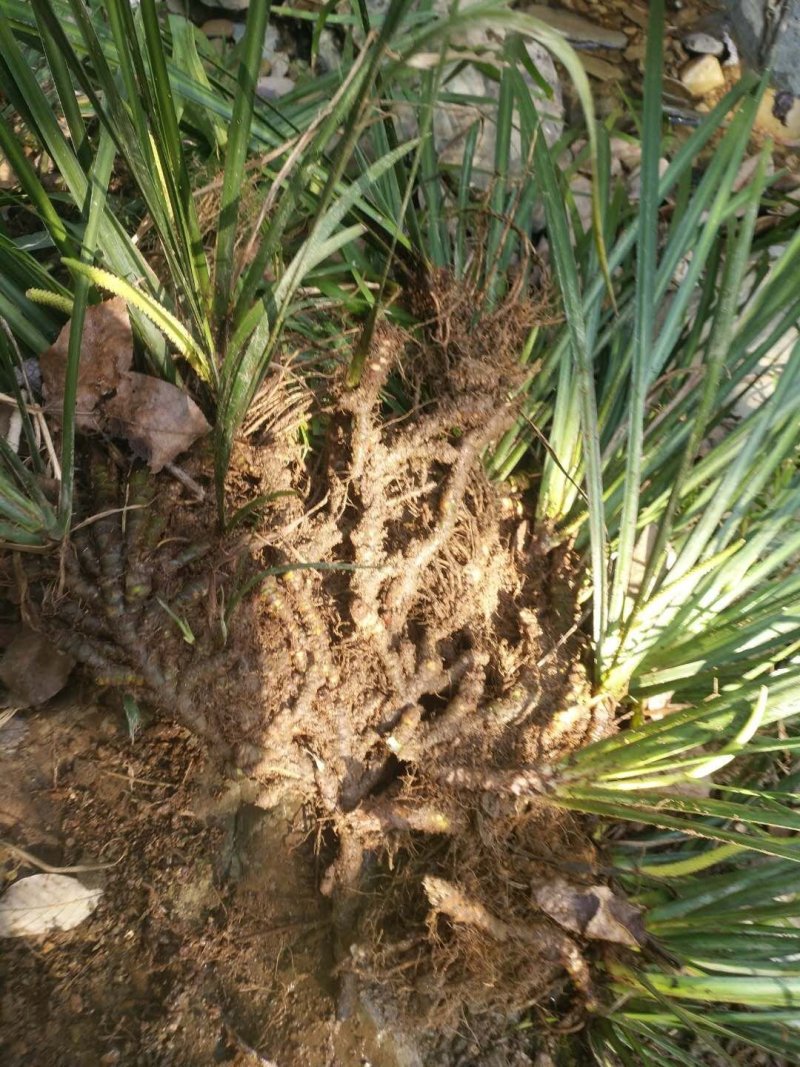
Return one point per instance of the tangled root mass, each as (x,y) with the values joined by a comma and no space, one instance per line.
(393,665)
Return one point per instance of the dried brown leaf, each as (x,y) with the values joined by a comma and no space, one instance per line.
(33,670)
(159,420)
(44,902)
(594,912)
(106,354)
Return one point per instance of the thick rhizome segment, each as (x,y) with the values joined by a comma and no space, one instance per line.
(380,633)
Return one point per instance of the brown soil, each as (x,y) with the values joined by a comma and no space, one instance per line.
(325,845)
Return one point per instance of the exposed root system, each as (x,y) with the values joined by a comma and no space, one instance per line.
(375,633)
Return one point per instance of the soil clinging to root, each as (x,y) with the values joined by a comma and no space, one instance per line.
(375,652)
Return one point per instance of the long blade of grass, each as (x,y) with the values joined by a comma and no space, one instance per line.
(743,990)
(66,95)
(236,154)
(99,177)
(170,146)
(644,320)
(18,80)
(33,188)
(567,273)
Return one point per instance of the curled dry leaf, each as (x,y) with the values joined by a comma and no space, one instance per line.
(106,354)
(44,902)
(594,912)
(33,670)
(159,420)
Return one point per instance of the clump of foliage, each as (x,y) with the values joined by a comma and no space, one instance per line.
(677,522)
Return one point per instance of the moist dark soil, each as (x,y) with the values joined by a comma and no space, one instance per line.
(322,843)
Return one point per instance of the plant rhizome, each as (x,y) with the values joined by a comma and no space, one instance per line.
(381,639)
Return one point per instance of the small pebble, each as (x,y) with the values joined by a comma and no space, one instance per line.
(218,28)
(581,188)
(636,15)
(273,87)
(636,52)
(703,75)
(8,178)
(329,56)
(703,44)
(628,152)
(601,68)
(272,42)
(280,65)
(732,57)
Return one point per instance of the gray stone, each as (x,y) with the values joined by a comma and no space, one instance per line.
(452,119)
(329,55)
(703,44)
(274,86)
(753,25)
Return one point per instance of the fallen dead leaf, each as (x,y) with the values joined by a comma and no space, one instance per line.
(592,911)
(106,354)
(159,420)
(43,902)
(33,670)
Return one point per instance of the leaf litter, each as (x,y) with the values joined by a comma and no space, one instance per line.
(106,354)
(159,420)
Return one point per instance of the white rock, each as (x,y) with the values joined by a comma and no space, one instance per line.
(271,38)
(732,59)
(8,178)
(272,42)
(452,120)
(329,56)
(703,75)
(279,65)
(273,87)
(581,188)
